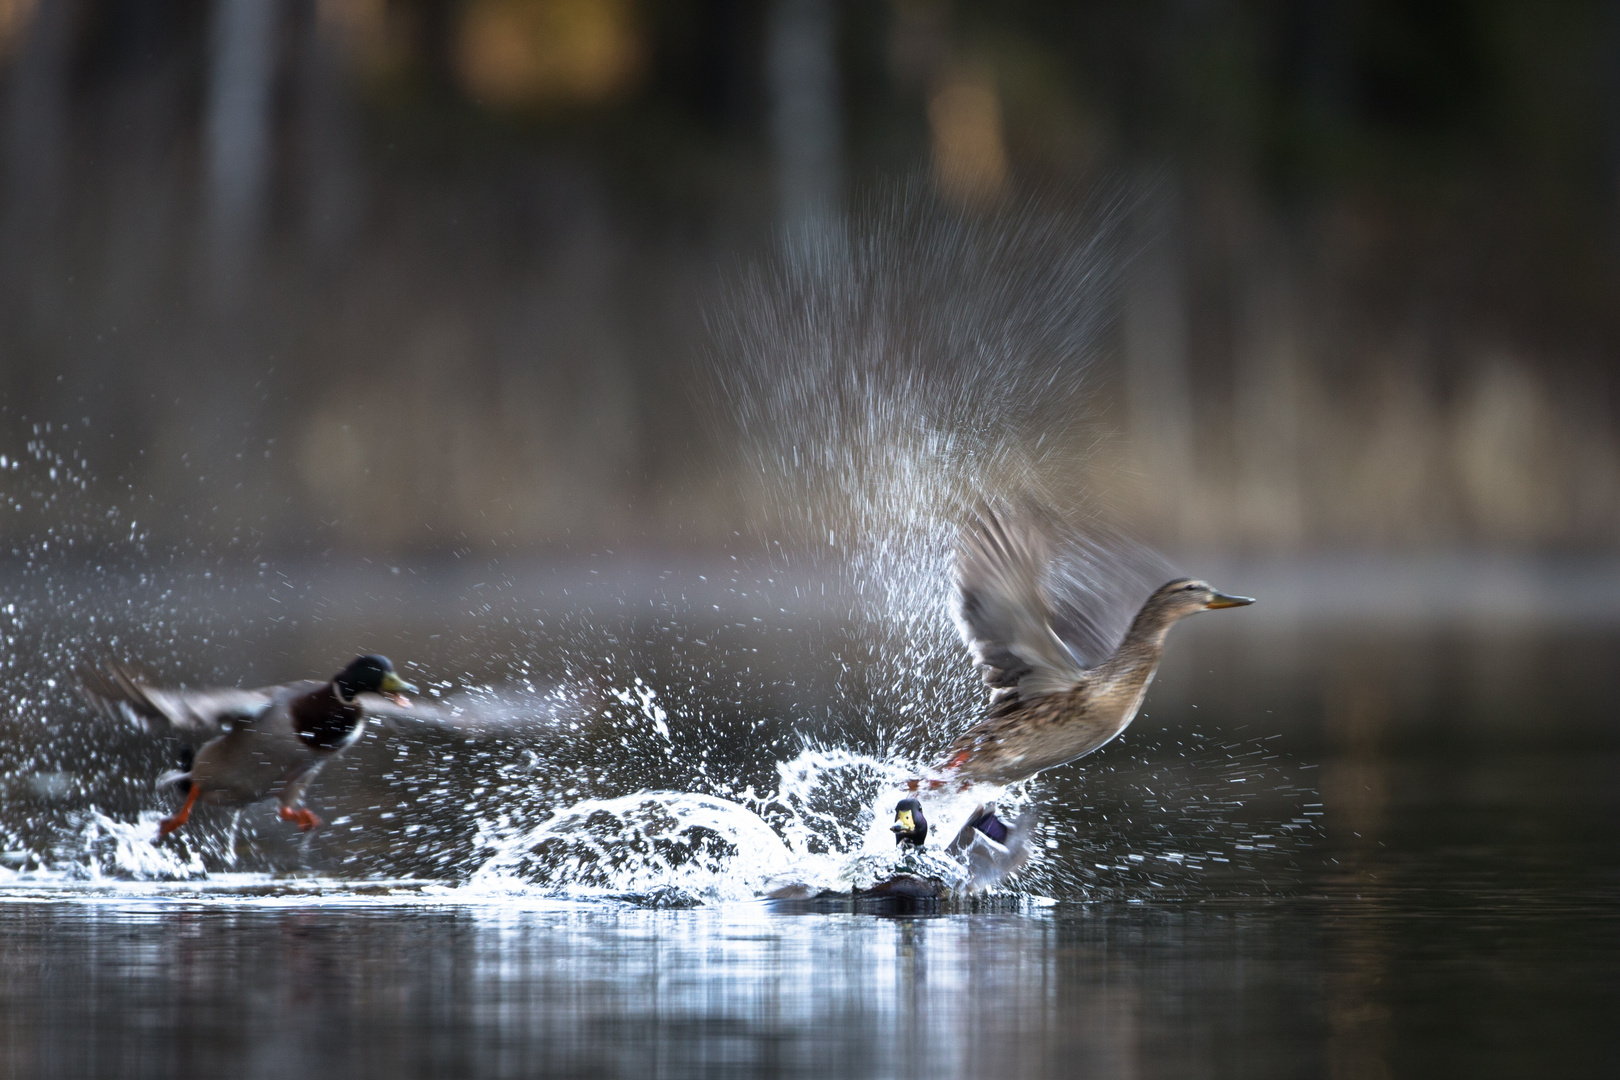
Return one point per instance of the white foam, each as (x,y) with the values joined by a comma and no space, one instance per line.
(826,827)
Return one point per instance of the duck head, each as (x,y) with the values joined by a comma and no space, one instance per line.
(372,674)
(910,827)
(1185,596)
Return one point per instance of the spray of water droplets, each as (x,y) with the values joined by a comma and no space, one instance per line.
(888,377)
(881,380)
(711,739)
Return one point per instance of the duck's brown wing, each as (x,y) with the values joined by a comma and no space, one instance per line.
(116,691)
(1002,611)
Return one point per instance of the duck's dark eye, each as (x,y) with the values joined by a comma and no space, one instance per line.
(1188,588)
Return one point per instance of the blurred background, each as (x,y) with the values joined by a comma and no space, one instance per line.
(411,326)
(406,275)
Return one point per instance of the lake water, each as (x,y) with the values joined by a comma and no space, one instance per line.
(1360,849)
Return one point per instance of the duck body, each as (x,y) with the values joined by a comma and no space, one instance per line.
(1046,708)
(302,727)
(984,852)
(254,744)
(1020,737)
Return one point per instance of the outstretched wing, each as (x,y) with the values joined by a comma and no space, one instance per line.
(992,849)
(1002,610)
(116,691)
(484,715)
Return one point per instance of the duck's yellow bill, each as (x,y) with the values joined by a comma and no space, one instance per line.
(395,688)
(1220,600)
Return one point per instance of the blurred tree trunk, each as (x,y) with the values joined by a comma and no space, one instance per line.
(806,124)
(1266,412)
(1157,383)
(36,148)
(330,174)
(237,140)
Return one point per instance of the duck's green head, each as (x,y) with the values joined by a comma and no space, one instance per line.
(371,674)
(910,827)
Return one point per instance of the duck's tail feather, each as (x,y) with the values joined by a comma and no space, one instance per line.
(179,779)
(116,691)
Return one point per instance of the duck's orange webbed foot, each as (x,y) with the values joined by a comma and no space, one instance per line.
(170,824)
(303,817)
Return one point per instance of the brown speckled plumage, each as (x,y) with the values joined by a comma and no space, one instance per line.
(1045,707)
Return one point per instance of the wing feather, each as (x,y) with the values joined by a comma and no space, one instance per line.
(1002,610)
(117,692)
(479,716)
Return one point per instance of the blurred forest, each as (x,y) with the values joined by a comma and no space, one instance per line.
(401,275)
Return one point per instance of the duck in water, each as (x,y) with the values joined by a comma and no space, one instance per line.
(254,743)
(983,853)
(987,847)
(1046,708)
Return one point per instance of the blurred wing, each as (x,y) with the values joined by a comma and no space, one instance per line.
(989,862)
(473,716)
(1096,586)
(1002,611)
(116,691)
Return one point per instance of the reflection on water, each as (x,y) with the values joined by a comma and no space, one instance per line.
(1312,986)
(1457,917)
(1322,851)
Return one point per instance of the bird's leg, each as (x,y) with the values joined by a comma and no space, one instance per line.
(301,816)
(169,824)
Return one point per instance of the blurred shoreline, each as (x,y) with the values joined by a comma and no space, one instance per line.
(1469,589)
(420,274)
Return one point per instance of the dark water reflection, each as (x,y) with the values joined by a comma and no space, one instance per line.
(1450,908)
(1477,936)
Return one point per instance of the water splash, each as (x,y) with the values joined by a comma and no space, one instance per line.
(638,844)
(879,384)
(102,848)
(885,379)
(825,827)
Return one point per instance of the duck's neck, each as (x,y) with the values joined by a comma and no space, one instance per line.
(1137,657)
(325,720)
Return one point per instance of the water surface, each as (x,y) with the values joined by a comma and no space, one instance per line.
(1351,849)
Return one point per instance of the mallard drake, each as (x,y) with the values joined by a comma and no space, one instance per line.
(910,828)
(990,848)
(1046,708)
(984,852)
(254,743)
(986,846)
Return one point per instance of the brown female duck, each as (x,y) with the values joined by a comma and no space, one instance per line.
(1046,708)
(254,743)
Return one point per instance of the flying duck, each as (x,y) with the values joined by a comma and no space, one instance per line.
(1046,708)
(254,743)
